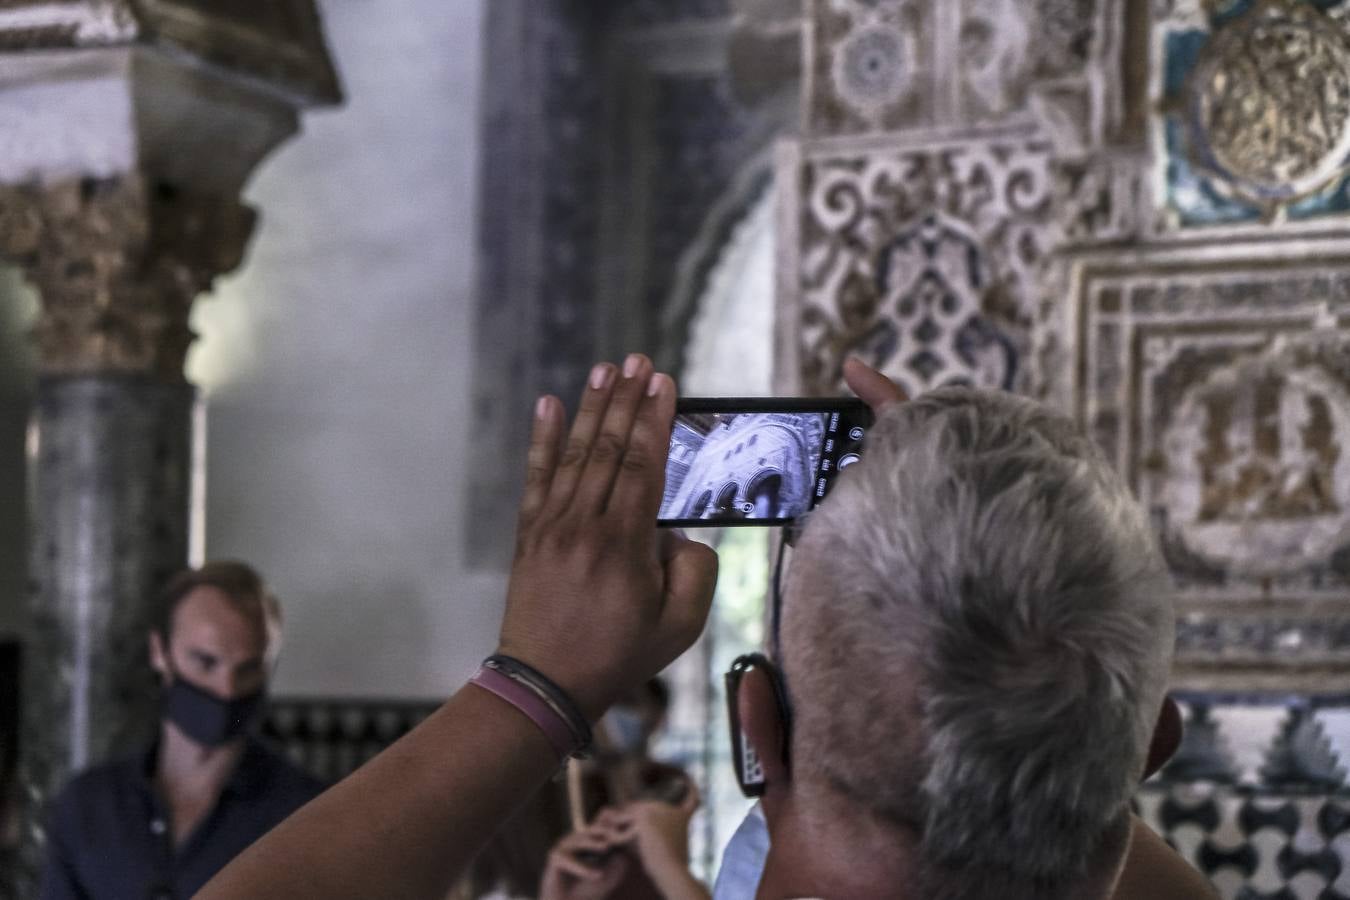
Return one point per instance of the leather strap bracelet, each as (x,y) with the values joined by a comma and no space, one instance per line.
(535,695)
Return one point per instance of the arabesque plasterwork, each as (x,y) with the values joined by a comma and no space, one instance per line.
(1221,388)
(877,67)
(1179,285)
(925,261)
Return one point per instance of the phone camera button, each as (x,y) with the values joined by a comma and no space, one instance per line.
(856,433)
(848,459)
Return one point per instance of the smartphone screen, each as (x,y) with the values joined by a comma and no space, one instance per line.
(757,461)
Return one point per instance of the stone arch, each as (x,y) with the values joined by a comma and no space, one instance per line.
(720,245)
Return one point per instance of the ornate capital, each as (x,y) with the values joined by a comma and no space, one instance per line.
(118,263)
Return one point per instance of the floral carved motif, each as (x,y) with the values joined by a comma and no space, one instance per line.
(872,65)
(926,262)
(891,65)
(117,264)
(1272,101)
(1256,96)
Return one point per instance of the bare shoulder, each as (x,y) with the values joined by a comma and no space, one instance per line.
(1154,871)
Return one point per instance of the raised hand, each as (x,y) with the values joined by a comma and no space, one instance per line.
(599,600)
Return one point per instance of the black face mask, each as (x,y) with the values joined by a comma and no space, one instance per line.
(204,717)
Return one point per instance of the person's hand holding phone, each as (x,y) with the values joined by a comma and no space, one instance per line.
(598,599)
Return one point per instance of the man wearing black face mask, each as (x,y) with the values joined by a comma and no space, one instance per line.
(161,824)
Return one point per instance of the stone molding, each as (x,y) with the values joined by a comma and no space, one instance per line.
(277,44)
(118,263)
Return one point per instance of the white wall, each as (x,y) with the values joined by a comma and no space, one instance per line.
(336,366)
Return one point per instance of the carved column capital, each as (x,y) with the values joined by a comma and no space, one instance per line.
(118,263)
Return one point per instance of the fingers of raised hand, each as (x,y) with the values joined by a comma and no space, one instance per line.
(542,459)
(612,449)
(596,840)
(576,452)
(640,481)
(613,823)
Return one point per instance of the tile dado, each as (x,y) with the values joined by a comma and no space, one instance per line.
(1256,797)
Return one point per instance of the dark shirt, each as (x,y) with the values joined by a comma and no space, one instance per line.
(110,834)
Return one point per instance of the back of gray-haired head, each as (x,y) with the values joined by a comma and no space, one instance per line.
(977,636)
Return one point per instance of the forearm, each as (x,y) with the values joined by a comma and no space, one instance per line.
(409,821)
(595,602)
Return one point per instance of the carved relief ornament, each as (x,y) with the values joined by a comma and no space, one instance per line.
(1271,103)
(925,261)
(118,263)
(896,65)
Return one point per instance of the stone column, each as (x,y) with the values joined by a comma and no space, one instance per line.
(127,134)
(117,263)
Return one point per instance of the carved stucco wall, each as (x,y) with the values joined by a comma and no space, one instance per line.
(1134,210)
(1000,194)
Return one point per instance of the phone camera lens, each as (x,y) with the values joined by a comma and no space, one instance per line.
(856,433)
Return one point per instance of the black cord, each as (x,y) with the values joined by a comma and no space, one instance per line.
(776,609)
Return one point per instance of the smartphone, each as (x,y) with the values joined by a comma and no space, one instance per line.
(738,461)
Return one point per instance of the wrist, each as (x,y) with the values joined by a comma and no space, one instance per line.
(590,697)
(539,698)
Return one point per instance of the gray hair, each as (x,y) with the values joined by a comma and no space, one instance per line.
(980,592)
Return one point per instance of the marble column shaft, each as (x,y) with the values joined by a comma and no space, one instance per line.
(109,476)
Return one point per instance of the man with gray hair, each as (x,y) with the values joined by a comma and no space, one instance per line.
(977,632)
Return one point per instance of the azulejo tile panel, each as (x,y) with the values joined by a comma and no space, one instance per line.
(1256,797)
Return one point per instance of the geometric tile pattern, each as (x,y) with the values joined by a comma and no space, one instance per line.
(330,739)
(1270,846)
(1257,798)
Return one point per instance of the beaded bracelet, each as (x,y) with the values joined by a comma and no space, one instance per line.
(534,694)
